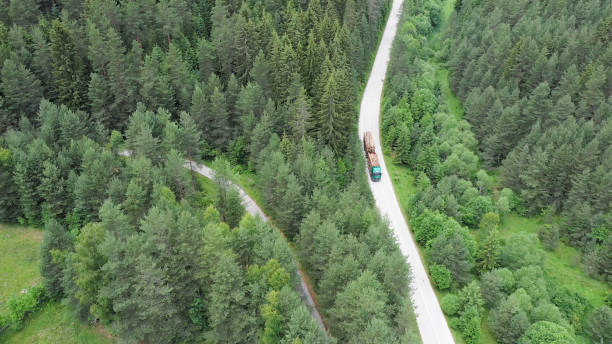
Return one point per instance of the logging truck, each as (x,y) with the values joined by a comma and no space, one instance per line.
(371,158)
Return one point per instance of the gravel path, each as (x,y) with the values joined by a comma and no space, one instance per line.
(252,208)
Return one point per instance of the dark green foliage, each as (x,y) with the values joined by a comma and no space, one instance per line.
(450,250)
(183,79)
(68,66)
(56,240)
(21,93)
(361,302)
(509,320)
(599,324)
(496,285)
(9,201)
(549,235)
(537,108)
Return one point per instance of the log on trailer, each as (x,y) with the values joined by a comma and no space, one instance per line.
(368,142)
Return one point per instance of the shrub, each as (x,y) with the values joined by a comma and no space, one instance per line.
(471,332)
(599,325)
(441,276)
(450,304)
(549,235)
(428,226)
(22,305)
(544,332)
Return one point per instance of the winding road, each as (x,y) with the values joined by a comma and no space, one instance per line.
(252,208)
(430,319)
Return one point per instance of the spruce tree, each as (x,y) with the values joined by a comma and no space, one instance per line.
(55,239)
(68,66)
(21,92)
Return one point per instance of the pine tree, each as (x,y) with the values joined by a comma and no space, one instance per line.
(68,66)
(488,251)
(206,59)
(223,37)
(361,301)
(28,165)
(333,118)
(155,88)
(21,94)
(219,121)
(227,300)
(180,77)
(87,261)
(292,210)
(55,240)
(9,201)
(24,12)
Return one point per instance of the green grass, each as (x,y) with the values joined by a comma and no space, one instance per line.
(19,254)
(56,324)
(453,103)
(19,248)
(562,264)
(402,177)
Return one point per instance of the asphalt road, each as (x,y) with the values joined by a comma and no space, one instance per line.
(430,319)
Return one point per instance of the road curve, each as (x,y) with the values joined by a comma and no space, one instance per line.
(430,319)
(252,208)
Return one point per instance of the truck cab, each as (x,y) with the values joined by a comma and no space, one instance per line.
(376,173)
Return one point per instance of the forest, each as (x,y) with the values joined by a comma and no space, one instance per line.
(534,139)
(135,243)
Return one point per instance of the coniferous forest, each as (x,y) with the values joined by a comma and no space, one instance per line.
(526,140)
(137,243)
(499,109)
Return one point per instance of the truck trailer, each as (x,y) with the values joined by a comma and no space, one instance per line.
(371,157)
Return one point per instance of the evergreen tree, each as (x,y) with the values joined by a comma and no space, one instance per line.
(360,303)
(9,201)
(68,66)
(56,242)
(21,94)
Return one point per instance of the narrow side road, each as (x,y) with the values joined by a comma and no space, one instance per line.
(252,208)
(430,319)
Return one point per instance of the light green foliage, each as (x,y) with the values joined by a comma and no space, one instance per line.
(19,252)
(441,276)
(546,332)
(520,250)
(88,261)
(451,304)
(24,304)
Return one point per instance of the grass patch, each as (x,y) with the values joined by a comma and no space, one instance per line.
(403,180)
(56,324)
(19,248)
(452,102)
(562,264)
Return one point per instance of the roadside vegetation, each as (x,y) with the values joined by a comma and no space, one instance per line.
(504,273)
(270,86)
(49,322)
